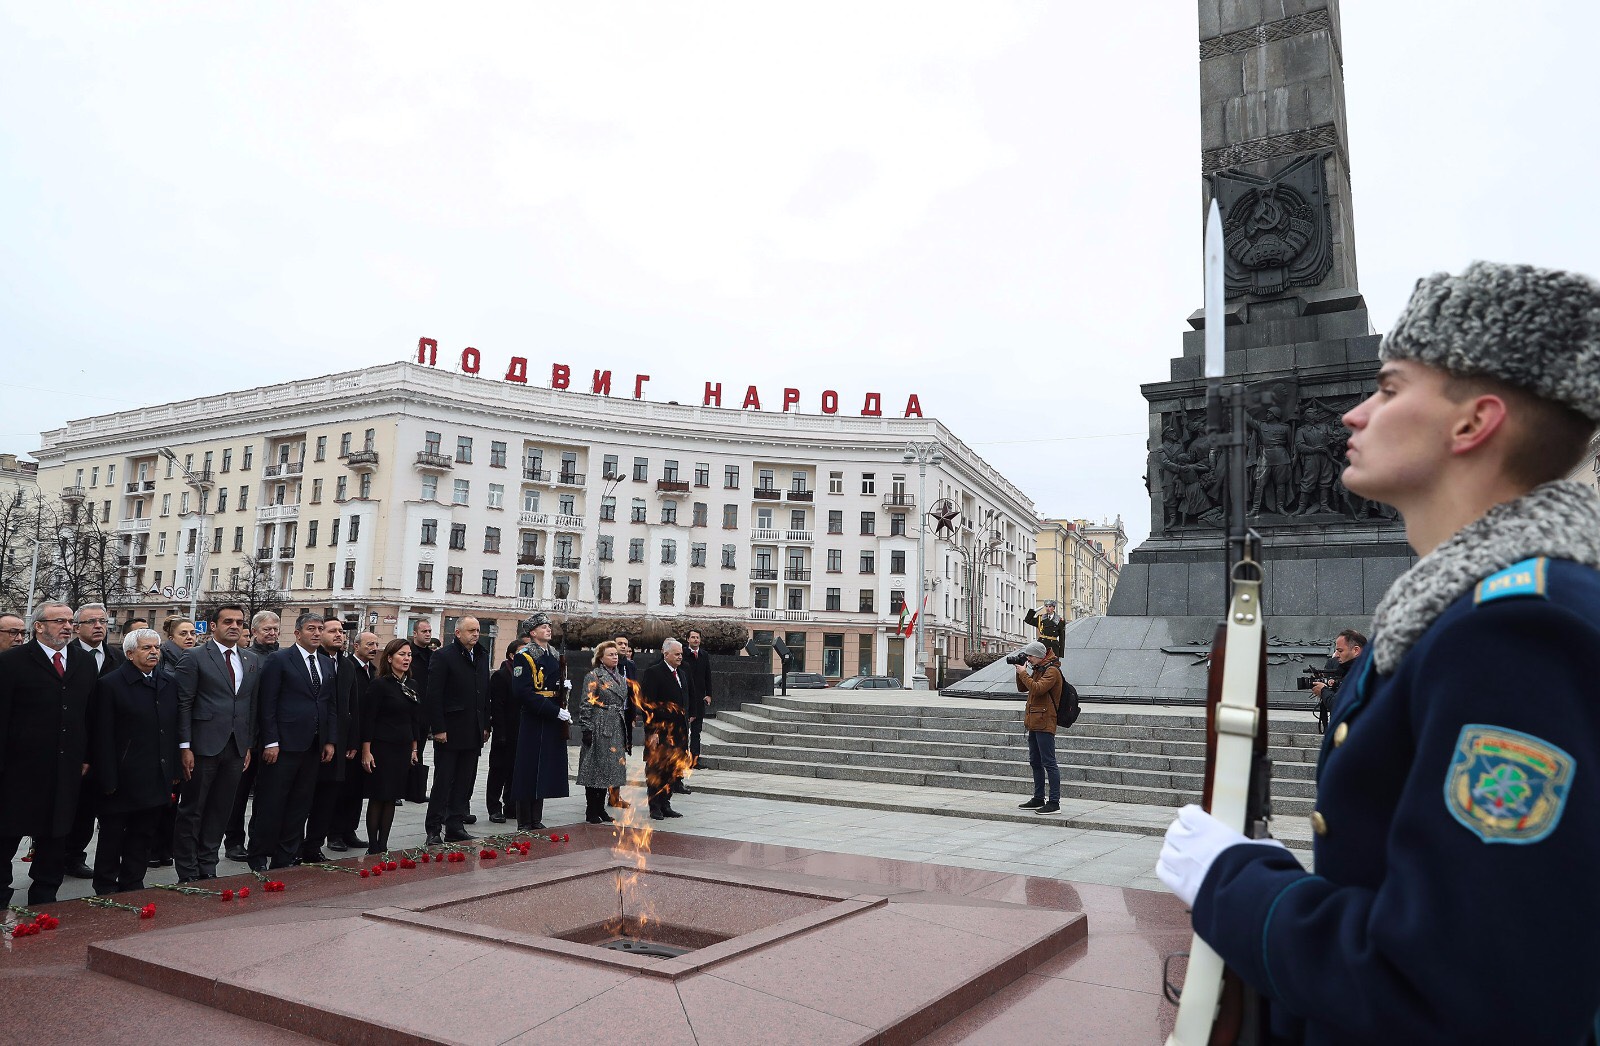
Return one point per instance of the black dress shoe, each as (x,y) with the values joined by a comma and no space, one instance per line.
(607,818)
(257,864)
(537,826)
(656,814)
(1031,804)
(670,812)
(470,819)
(310,856)
(459,836)
(434,839)
(159,862)
(682,789)
(352,840)
(595,819)
(237,853)
(497,818)
(80,871)
(337,845)
(189,879)
(1052,807)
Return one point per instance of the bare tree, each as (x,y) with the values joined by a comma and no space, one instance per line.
(21,524)
(86,562)
(254,590)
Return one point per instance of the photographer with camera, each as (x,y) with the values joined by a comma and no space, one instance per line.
(1347,646)
(1039,676)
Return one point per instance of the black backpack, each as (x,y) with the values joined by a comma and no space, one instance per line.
(1067,708)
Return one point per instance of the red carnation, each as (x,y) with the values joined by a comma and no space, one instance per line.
(566,838)
(425,858)
(406,862)
(147,912)
(365,874)
(377,870)
(244,891)
(227,895)
(487,855)
(390,866)
(46,920)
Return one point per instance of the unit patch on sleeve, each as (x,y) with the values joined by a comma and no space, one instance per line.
(1506,786)
(1519,579)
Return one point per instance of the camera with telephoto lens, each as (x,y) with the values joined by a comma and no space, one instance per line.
(1310,677)
(1019,658)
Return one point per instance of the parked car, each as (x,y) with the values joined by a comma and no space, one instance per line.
(870,683)
(801,681)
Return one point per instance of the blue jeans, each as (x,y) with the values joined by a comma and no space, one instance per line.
(1042,760)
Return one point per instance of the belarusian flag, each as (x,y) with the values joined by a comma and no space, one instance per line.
(906,617)
(908,624)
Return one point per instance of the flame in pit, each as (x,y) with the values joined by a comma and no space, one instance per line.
(632,832)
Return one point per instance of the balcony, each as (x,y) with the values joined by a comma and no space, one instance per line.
(763,573)
(566,563)
(530,559)
(362,460)
(797,574)
(264,554)
(277,513)
(899,501)
(559,606)
(766,494)
(433,461)
(565,522)
(533,474)
(141,486)
(285,551)
(768,614)
(800,495)
(288,468)
(73,493)
(801,536)
(763,534)
(134,526)
(570,479)
(672,488)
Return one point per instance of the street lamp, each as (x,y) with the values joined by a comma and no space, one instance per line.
(923,455)
(202,484)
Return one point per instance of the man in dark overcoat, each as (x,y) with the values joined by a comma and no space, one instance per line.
(697,666)
(456,709)
(664,693)
(134,748)
(331,775)
(45,691)
(505,715)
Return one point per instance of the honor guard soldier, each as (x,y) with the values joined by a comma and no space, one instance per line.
(539,685)
(1457,825)
(1050,626)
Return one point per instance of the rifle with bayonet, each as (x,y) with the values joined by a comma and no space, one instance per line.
(1215,1006)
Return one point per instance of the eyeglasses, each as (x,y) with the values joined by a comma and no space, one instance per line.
(55,621)
(13,632)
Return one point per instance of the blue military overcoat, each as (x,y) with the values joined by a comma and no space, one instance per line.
(541,767)
(1457,889)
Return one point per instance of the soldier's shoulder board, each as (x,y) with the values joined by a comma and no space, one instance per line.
(1526,578)
(1506,786)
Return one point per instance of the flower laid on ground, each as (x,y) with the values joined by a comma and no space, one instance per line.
(244,891)
(406,862)
(488,855)
(193,891)
(336,868)
(147,912)
(227,895)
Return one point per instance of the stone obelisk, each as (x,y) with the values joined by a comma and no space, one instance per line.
(1274,153)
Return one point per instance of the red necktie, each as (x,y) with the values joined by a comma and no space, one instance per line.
(61,666)
(227,656)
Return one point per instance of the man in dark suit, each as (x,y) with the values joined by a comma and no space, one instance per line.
(664,694)
(697,666)
(133,730)
(505,715)
(331,776)
(45,691)
(264,629)
(342,835)
(89,627)
(298,731)
(456,709)
(217,686)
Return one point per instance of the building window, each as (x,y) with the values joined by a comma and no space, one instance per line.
(702,476)
(725,597)
(369,439)
(868,566)
(183,504)
(603,548)
(458,536)
(608,509)
(797,599)
(364,486)
(430,531)
(238,536)
(764,479)
(331,569)
(527,586)
(530,501)
(669,551)
(833,599)
(762,597)
(424,577)
(452,579)
(568,504)
(227,460)
(836,522)
(608,470)
(563,586)
(316,492)
(669,592)
(835,560)
(636,550)
(464,449)
(699,513)
(533,464)
(897,524)
(730,554)
(897,562)
(249,457)
(166,504)
(635,590)
(669,512)
(638,515)
(641,471)
(497,455)
(344,446)
(697,593)
(216,540)
(431,442)
(869,482)
(355,530)
(730,517)
(430,488)
(333,533)
(222,500)
(311,534)
(491,539)
(897,602)
(730,477)
(797,519)
(350,573)
(836,483)
(866,601)
(797,482)
(869,523)
(461,492)
(697,554)
(864,659)
(491,582)
(497,495)
(669,471)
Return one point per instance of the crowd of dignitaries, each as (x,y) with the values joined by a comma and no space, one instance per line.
(165,739)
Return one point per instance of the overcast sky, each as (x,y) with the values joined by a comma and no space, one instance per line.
(992,205)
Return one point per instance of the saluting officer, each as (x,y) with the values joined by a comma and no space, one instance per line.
(1457,828)
(1049,625)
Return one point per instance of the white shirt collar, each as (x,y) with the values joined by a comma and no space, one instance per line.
(92,649)
(234,650)
(49,652)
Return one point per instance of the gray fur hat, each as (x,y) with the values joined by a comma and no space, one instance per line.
(1537,329)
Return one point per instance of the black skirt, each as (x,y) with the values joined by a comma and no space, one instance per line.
(388,778)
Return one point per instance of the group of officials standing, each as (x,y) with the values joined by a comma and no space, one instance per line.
(165,739)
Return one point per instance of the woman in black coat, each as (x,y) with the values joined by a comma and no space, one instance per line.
(391,727)
(134,752)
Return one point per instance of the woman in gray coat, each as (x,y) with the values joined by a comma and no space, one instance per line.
(601,761)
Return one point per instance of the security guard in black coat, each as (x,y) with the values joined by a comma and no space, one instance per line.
(1457,821)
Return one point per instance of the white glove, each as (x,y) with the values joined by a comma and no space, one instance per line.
(1193,842)
(566,684)
(564,715)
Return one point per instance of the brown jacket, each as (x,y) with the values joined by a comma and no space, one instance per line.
(1043,687)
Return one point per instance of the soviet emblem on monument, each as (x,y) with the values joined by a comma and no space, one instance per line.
(1278,230)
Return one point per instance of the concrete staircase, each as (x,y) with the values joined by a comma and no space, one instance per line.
(1142,759)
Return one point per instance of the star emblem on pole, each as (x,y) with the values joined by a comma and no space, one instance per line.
(945,512)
